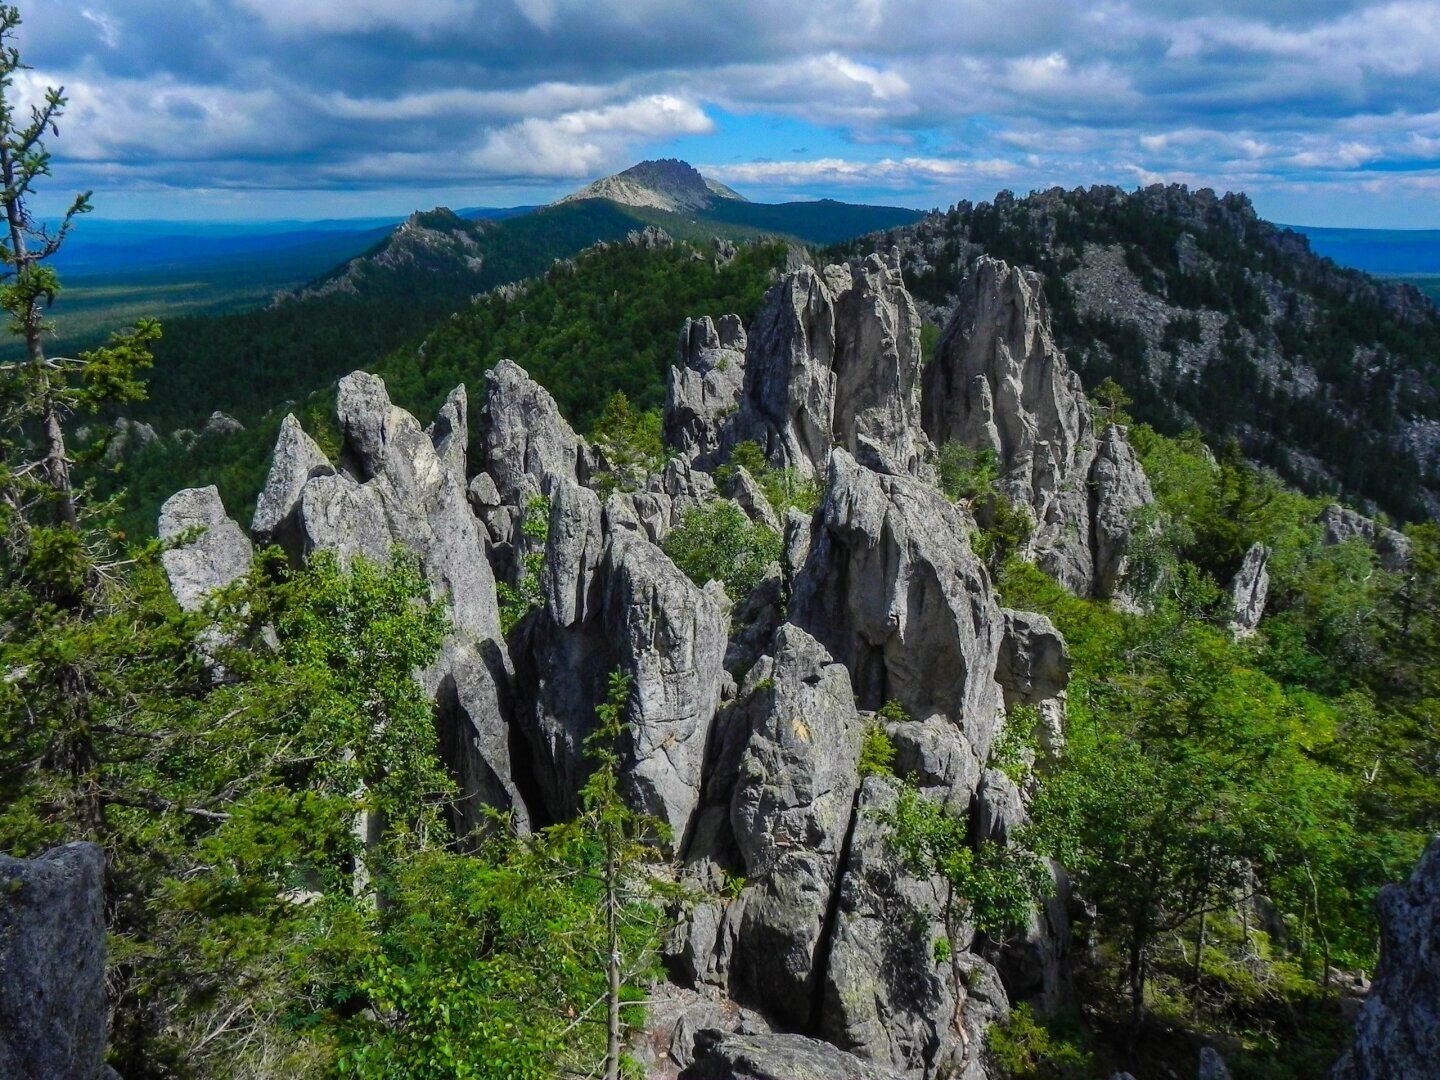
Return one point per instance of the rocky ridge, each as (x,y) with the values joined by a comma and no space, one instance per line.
(1208,315)
(747,713)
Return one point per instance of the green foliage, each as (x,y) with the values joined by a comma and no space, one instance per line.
(1110,400)
(877,752)
(630,443)
(967,473)
(941,950)
(1024,1047)
(527,595)
(717,542)
(894,712)
(1014,750)
(994,887)
(783,488)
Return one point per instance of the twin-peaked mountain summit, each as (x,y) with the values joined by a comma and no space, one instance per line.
(747,713)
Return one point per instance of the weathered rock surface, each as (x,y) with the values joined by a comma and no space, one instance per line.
(1249,589)
(720,1056)
(704,387)
(999,383)
(52,959)
(791,810)
(833,360)
(296,459)
(1033,668)
(614,601)
(1397,1034)
(892,590)
(399,484)
(525,437)
(1339,524)
(886,998)
(217,557)
(1212,1065)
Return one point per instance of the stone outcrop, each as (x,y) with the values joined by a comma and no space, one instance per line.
(834,360)
(216,553)
(295,461)
(999,383)
(614,601)
(400,485)
(524,436)
(1339,524)
(721,1056)
(1397,1034)
(1249,589)
(52,965)
(892,590)
(1033,668)
(703,389)
(791,810)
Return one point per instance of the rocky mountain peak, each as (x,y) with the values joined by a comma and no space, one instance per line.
(666,184)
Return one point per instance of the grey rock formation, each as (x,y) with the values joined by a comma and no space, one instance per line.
(296,459)
(1339,524)
(402,485)
(790,812)
(703,389)
(892,590)
(129,434)
(614,601)
(1212,1065)
(720,1056)
(999,383)
(52,956)
(1249,589)
(524,436)
(219,555)
(746,491)
(1397,1034)
(1033,668)
(886,998)
(833,360)
(221,423)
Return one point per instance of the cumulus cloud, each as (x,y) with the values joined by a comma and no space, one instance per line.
(1280,95)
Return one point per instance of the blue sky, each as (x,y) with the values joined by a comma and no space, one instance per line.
(1327,112)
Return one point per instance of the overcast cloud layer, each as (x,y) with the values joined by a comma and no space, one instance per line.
(1327,112)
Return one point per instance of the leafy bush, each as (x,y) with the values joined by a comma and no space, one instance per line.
(517,601)
(783,488)
(877,753)
(1022,1047)
(631,442)
(967,473)
(717,542)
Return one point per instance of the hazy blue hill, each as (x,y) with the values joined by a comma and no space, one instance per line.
(1391,252)
(823,222)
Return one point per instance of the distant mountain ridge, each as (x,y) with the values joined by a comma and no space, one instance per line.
(666,184)
(1212,317)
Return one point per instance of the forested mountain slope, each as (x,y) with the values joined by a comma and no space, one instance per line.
(1209,316)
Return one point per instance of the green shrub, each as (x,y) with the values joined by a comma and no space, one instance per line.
(1024,1048)
(877,753)
(717,542)
(631,442)
(783,488)
(967,473)
(517,601)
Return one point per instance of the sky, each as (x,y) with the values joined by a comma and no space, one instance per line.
(1326,112)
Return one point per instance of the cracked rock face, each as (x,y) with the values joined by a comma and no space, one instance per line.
(524,436)
(218,556)
(999,383)
(52,953)
(703,389)
(790,811)
(401,484)
(1249,589)
(1339,524)
(721,1056)
(1397,1034)
(614,601)
(834,360)
(891,588)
